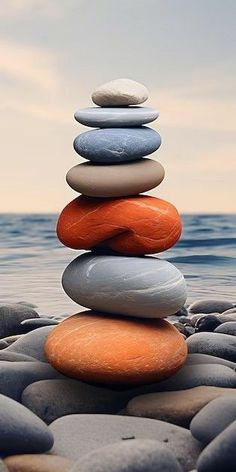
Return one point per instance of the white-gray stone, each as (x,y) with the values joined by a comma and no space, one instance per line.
(146,287)
(120,92)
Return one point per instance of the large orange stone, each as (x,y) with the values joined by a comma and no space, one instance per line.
(112,350)
(132,226)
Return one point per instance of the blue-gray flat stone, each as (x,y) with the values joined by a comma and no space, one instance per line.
(77,435)
(111,145)
(214,418)
(135,286)
(21,431)
(135,455)
(97,117)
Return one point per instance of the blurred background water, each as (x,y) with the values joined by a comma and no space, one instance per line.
(32,260)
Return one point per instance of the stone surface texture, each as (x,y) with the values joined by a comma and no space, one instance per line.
(151,287)
(107,349)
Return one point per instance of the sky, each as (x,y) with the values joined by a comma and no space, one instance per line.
(54,53)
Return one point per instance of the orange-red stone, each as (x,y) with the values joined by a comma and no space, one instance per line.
(132,226)
(112,350)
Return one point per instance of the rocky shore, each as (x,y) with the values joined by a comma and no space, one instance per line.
(140,381)
(51,422)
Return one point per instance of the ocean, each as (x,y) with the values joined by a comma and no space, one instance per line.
(32,260)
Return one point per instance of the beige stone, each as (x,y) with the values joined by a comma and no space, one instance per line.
(37,463)
(120,92)
(177,407)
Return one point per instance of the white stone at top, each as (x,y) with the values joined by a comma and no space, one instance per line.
(120,92)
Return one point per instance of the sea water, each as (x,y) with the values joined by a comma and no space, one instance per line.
(32,260)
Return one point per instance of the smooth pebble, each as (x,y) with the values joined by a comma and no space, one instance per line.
(120,92)
(151,288)
(117,145)
(117,180)
(97,117)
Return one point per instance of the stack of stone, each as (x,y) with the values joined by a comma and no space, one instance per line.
(124,339)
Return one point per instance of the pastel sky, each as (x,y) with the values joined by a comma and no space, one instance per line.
(53,53)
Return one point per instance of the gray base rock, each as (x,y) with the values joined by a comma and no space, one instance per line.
(227,328)
(51,399)
(6,355)
(20,430)
(11,316)
(215,344)
(175,407)
(220,454)
(31,324)
(32,344)
(130,456)
(214,418)
(77,435)
(16,376)
(192,376)
(207,359)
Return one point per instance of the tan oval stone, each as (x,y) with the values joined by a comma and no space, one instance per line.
(115,180)
(109,349)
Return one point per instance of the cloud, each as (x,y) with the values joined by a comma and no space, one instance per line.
(28,64)
(189,107)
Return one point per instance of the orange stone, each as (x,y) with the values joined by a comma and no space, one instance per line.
(111,350)
(132,226)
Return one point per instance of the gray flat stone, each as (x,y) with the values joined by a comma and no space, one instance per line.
(77,435)
(214,418)
(21,431)
(215,344)
(210,306)
(151,287)
(207,359)
(130,456)
(177,407)
(51,399)
(188,377)
(6,355)
(16,376)
(31,324)
(227,328)
(219,455)
(32,344)
(11,316)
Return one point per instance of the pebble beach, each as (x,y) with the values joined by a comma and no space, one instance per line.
(133,369)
